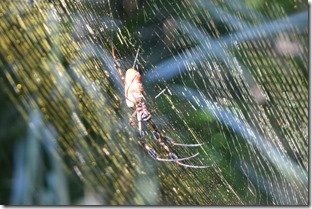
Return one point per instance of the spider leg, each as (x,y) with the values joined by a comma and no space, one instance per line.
(117,65)
(177,160)
(170,140)
(149,150)
(154,155)
(131,118)
(193,166)
(158,139)
(158,136)
(172,157)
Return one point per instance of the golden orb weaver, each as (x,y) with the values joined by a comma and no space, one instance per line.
(135,100)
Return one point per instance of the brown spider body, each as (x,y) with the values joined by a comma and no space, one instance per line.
(134,95)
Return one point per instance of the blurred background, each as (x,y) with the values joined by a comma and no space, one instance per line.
(236,79)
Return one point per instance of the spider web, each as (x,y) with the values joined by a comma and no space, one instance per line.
(236,79)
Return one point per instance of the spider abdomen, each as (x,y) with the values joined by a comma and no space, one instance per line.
(133,87)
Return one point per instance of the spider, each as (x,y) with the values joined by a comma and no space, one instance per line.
(135,100)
